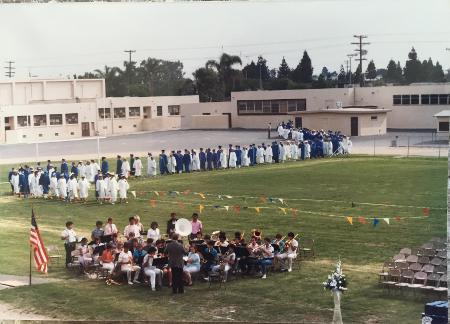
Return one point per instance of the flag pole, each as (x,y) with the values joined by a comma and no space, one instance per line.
(29,281)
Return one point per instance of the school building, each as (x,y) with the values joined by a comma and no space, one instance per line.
(47,110)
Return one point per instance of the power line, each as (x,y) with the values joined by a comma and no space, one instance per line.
(361,54)
(129,65)
(9,69)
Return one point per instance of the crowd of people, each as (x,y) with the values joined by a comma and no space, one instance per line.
(72,182)
(148,256)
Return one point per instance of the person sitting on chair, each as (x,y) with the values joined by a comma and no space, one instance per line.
(151,270)
(267,257)
(126,264)
(192,264)
(289,254)
(227,262)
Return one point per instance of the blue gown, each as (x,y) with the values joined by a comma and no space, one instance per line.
(202,157)
(163,164)
(105,167)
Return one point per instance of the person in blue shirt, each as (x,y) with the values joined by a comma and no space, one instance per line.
(209,159)
(44,181)
(179,160)
(119,165)
(105,165)
(210,256)
(202,157)
(49,165)
(218,156)
(187,161)
(276,152)
(163,163)
(238,156)
(65,169)
(74,169)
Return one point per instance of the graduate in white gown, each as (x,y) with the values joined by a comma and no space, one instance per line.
(233,159)
(53,185)
(151,166)
(268,154)
(260,155)
(137,165)
(294,152)
(15,182)
(83,187)
(101,188)
(113,187)
(245,158)
(81,169)
(62,187)
(282,157)
(300,135)
(32,183)
(195,161)
(72,188)
(286,133)
(125,168)
(287,149)
(172,163)
(307,150)
(223,160)
(349,146)
(94,170)
(280,130)
(123,188)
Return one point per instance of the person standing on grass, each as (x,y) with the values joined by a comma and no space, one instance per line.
(125,168)
(113,186)
(197,226)
(119,164)
(202,158)
(123,188)
(151,165)
(83,186)
(137,165)
(14,180)
(175,252)
(132,159)
(100,187)
(163,162)
(70,238)
(105,165)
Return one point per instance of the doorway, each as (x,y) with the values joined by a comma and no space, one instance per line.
(85,129)
(354,126)
(229,119)
(298,122)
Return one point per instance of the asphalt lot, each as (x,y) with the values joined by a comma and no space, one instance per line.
(140,143)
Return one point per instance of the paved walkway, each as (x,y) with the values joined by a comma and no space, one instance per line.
(141,143)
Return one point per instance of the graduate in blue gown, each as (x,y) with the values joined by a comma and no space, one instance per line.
(65,169)
(44,181)
(302,148)
(74,169)
(238,156)
(105,166)
(179,160)
(276,152)
(209,159)
(202,157)
(215,158)
(187,161)
(163,163)
(119,165)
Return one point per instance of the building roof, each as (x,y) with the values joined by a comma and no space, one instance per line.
(443,113)
(353,111)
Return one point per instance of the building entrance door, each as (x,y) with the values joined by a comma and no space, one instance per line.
(354,126)
(229,119)
(85,129)
(298,122)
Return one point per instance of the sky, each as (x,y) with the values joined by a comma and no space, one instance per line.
(58,39)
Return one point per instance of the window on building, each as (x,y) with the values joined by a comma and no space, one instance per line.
(443,126)
(258,106)
(397,100)
(406,99)
(119,112)
(266,106)
(147,112)
(40,120)
(134,111)
(425,99)
(283,106)
(242,106)
(271,107)
(275,107)
(434,99)
(72,119)
(414,99)
(158,110)
(443,99)
(174,110)
(104,113)
(55,119)
(373,117)
(22,121)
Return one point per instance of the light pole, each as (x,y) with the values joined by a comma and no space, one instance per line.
(350,65)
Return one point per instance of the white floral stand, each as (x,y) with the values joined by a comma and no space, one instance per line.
(337,316)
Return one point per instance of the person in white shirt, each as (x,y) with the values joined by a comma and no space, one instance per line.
(153,232)
(69,237)
(245,158)
(150,270)
(233,159)
(113,186)
(100,187)
(123,188)
(132,228)
(125,261)
(83,187)
(195,161)
(260,155)
(15,182)
(151,166)
(53,185)
(125,168)
(137,165)
(72,188)
(266,259)
(268,155)
(62,187)
(110,228)
(94,170)
(290,253)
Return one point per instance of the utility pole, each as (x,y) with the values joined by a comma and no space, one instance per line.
(10,69)
(129,64)
(362,52)
(350,65)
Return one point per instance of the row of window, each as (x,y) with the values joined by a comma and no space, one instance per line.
(41,120)
(270,107)
(120,112)
(425,99)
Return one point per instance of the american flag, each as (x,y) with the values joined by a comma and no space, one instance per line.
(40,254)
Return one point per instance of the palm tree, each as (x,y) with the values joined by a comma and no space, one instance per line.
(225,70)
(113,79)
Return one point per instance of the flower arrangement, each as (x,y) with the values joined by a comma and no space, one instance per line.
(336,281)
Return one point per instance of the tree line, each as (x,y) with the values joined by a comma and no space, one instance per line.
(218,78)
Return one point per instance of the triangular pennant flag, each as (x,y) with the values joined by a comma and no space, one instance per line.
(263,199)
(270,199)
(375,222)
(362,220)
(153,202)
(294,211)
(156,193)
(398,219)
(133,193)
(186,192)
(426,211)
(181,205)
(228,196)
(350,220)
(200,208)
(202,195)
(386,220)
(257,209)
(226,207)
(220,197)
(162,193)
(237,209)
(283,210)
(281,200)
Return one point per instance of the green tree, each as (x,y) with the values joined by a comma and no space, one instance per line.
(342,77)
(114,81)
(325,73)
(304,70)
(225,69)
(394,72)
(371,71)
(250,71)
(413,68)
(208,85)
(438,73)
(283,71)
(162,78)
(357,76)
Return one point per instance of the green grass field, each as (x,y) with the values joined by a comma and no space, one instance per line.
(331,185)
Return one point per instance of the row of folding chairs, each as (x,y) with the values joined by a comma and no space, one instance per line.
(417,280)
(415,267)
(419,259)
(406,252)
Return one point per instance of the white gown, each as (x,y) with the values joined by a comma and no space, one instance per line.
(15,183)
(72,187)
(245,159)
(280,130)
(123,187)
(282,153)
(260,155)
(125,168)
(151,167)
(62,188)
(195,162)
(137,165)
(233,160)
(223,160)
(294,154)
(54,186)
(83,187)
(287,149)
(307,151)
(268,154)
(101,188)
(112,188)
(172,163)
